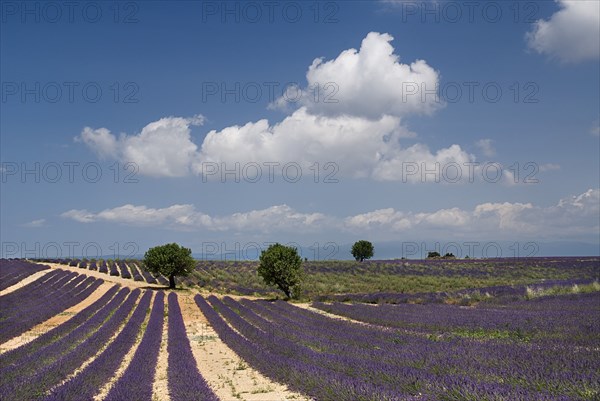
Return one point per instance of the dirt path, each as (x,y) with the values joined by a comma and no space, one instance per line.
(25,281)
(105,345)
(160,390)
(54,321)
(227,374)
(106,277)
(331,315)
(126,359)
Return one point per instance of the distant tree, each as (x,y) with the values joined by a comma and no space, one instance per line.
(467,257)
(433,254)
(281,265)
(362,250)
(170,260)
(449,255)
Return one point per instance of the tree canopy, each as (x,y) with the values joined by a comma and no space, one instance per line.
(362,250)
(170,260)
(281,265)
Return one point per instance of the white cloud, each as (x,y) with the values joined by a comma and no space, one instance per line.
(389,218)
(504,216)
(572,34)
(163,148)
(370,82)
(549,167)
(100,140)
(486,146)
(361,133)
(574,216)
(35,223)
(186,217)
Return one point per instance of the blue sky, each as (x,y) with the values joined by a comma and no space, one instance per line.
(344,106)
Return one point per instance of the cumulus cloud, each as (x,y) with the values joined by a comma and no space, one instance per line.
(388,218)
(370,82)
(571,217)
(486,146)
(187,217)
(571,35)
(361,132)
(353,142)
(163,148)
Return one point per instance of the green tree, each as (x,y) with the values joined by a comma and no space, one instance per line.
(433,255)
(281,265)
(170,260)
(362,250)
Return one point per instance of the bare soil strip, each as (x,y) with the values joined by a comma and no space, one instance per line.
(160,389)
(54,321)
(104,346)
(226,373)
(126,360)
(106,277)
(331,315)
(24,282)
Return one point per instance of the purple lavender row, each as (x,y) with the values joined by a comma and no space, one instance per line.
(311,352)
(457,364)
(44,311)
(136,382)
(13,310)
(271,360)
(162,280)
(88,382)
(499,293)
(185,381)
(135,273)
(571,316)
(13,271)
(125,273)
(55,287)
(38,286)
(45,378)
(113,269)
(103,267)
(33,387)
(145,274)
(54,348)
(57,332)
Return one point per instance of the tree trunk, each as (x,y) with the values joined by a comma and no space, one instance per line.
(172,282)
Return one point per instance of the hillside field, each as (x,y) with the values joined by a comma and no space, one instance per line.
(491,330)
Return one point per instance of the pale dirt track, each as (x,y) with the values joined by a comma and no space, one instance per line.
(106,277)
(226,373)
(55,320)
(24,282)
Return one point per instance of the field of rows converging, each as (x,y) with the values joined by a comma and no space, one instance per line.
(487,330)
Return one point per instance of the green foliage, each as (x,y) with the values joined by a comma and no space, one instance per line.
(433,254)
(362,250)
(170,260)
(326,277)
(281,265)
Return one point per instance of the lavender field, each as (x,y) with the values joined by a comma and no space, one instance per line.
(536,341)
